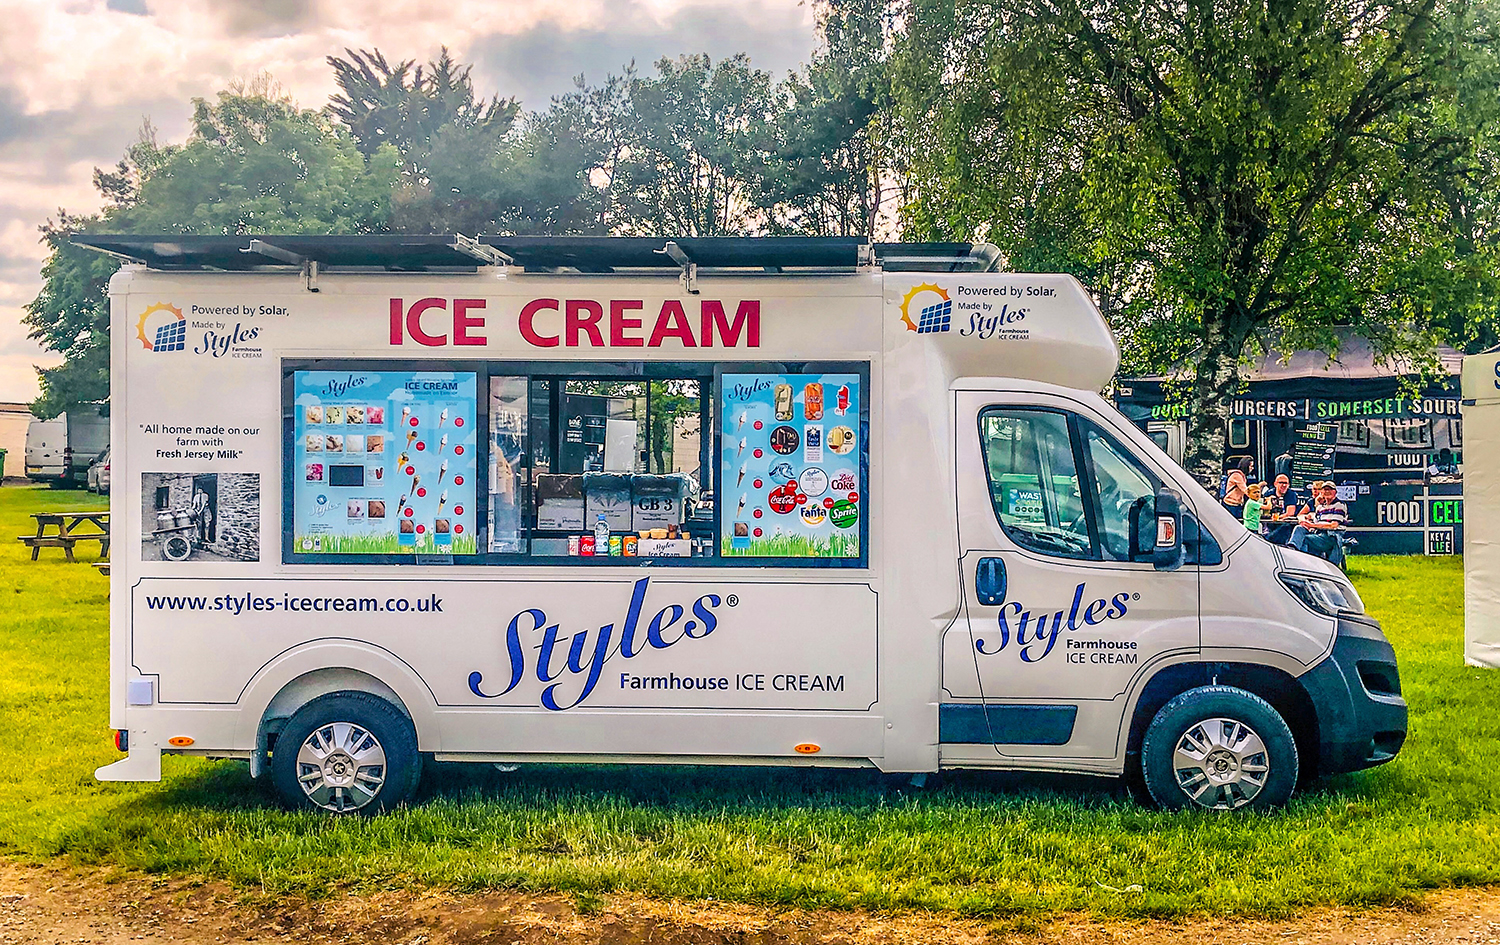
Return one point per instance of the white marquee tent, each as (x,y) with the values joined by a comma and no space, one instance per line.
(1481,452)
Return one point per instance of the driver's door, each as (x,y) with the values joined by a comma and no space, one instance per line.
(1063,608)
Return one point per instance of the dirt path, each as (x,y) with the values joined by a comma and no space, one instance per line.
(90,907)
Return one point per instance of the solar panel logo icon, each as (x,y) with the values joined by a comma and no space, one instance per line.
(935,318)
(162,328)
(171,337)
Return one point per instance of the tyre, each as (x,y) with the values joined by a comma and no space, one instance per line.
(346,753)
(1219,748)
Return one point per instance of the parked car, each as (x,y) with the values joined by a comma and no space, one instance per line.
(60,450)
(99,473)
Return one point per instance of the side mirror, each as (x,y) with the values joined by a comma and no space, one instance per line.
(1168,553)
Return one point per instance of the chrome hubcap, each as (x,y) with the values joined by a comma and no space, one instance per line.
(341,766)
(1221,764)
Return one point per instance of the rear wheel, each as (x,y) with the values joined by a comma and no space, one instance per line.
(346,753)
(1219,748)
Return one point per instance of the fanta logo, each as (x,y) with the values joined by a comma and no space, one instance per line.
(585,658)
(162,328)
(1036,635)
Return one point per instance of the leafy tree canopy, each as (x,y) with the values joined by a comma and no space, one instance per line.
(254,162)
(1228,177)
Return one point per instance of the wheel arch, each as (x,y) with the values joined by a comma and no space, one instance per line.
(317,668)
(1274,684)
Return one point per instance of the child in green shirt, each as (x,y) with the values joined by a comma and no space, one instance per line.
(1253,507)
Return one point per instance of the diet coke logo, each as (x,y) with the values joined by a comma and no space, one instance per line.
(843,481)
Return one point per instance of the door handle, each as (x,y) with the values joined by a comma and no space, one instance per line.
(989,582)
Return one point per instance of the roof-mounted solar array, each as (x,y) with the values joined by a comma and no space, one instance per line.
(592,254)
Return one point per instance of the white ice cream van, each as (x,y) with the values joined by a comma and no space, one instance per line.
(717,501)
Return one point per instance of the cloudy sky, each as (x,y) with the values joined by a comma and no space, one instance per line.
(78,76)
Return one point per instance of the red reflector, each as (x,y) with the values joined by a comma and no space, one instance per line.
(122,740)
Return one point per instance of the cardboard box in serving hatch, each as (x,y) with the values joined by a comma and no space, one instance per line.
(664,548)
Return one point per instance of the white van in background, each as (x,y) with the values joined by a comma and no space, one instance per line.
(386,500)
(60,450)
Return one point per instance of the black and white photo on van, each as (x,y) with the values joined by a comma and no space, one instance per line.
(188,516)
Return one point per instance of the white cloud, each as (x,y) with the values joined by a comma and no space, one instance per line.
(77,77)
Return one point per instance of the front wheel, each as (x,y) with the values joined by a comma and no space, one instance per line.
(346,753)
(1219,748)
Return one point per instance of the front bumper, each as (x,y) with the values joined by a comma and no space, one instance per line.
(1356,693)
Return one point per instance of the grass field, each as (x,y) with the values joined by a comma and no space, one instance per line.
(1009,847)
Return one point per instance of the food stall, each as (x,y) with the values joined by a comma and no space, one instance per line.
(1395,455)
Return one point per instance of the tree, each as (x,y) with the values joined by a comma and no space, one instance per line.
(827,173)
(450,140)
(693,134)
(1244,175)
(254,162)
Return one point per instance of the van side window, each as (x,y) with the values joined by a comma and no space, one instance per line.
(1033,478)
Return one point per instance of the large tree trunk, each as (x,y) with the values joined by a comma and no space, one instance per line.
(1216,379)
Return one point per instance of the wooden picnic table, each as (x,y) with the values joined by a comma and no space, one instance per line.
(65,534)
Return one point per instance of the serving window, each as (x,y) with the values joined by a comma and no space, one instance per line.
(691,463)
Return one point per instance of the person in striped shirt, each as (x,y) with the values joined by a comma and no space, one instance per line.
(1317,532)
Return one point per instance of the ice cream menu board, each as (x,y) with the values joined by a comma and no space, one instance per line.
(384,462)
(790,468)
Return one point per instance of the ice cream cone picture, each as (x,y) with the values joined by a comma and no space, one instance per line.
(410,435)
(741,510)
(443,417)
(744,414)
(743,467)
(442,470)
(442,501)
(405,412)
(402,459)
(742,448)
(442,443)
(415,481)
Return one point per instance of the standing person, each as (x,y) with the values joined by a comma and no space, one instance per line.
(1317,532)
(1254,505)
(202,515)
(1234,494)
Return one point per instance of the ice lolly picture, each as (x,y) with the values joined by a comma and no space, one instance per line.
(841,404)
(783,394)
(812,402)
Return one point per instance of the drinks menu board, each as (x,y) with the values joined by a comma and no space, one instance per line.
(1312,453)
(384,462)
(790,469)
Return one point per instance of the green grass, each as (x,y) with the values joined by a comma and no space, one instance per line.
(796,545)
(389,545)
(979,844)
